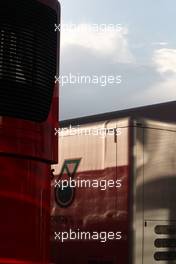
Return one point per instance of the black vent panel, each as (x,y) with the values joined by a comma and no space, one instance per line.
(28,58)
(165,243)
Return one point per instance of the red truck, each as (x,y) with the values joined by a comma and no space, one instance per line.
(29,54)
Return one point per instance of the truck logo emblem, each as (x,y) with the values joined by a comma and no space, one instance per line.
(64,196)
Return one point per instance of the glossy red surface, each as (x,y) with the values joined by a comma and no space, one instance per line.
(14,261)
(26,151)
(24,203)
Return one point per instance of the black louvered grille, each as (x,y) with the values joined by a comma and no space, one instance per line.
(28,55)
(165,242)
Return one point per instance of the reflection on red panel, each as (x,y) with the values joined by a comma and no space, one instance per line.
(26,151)
(24,203)
(13,261)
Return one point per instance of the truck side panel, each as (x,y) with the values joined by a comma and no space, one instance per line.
(93,209)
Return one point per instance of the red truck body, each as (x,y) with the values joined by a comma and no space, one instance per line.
(28,146)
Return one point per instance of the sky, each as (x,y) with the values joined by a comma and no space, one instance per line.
(140,51)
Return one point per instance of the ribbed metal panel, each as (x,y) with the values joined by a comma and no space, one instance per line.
(28,49)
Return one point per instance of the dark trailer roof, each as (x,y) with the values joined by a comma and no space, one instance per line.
(161,112)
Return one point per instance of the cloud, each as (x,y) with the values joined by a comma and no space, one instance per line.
(109,54)
(165,60)
(110,44)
